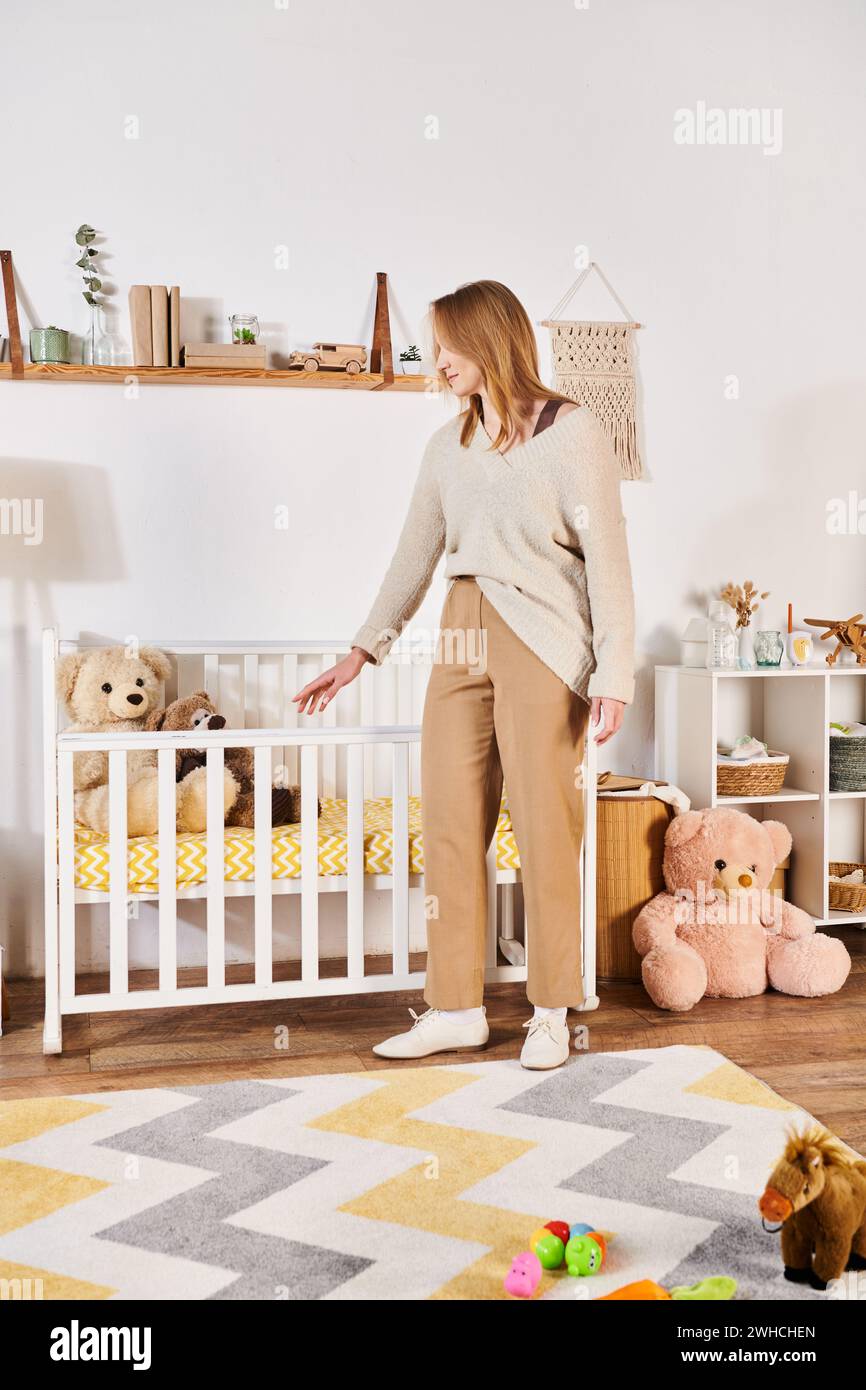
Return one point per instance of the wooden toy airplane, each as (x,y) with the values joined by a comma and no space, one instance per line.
(850,635)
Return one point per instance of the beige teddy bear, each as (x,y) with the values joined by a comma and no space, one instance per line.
(718,930)
(113,690)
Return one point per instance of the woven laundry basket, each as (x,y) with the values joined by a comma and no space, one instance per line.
(760,777)
(846,897)
(847,764)
(630,840)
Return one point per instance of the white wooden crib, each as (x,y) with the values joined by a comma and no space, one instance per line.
(366,744)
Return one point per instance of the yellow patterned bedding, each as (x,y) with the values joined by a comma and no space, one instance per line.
(92,857)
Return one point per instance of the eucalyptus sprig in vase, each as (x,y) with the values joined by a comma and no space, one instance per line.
(92,285)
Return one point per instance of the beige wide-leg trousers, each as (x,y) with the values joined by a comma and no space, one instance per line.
(493,708)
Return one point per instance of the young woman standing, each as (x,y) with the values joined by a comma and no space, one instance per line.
(521,491)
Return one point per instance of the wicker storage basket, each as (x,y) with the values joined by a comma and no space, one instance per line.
(847,897)
(847,764)
(758,778)
(630,847)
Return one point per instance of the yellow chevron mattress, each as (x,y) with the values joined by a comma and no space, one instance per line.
(92,857)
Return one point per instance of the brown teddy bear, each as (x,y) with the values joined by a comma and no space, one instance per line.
(197,711)
(113,690)
(717,930)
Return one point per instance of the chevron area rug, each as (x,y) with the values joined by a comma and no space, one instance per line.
(395,1184)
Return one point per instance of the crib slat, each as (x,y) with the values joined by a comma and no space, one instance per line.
(216,926)
(329,752)
(191,675)
(400,856)
(66,869)
(507,931)
(170,685)
(118,925)
(167,869)
(251,693)
(212,679)
(368,718)
(355,860)
(263,867)
(404,687)
(309,864)
(290,716)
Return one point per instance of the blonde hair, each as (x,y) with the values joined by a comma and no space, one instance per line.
(487,323)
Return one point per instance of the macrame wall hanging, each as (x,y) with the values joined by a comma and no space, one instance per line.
(593,363)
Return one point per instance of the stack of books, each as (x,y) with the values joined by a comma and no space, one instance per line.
(154,317)
(226,357)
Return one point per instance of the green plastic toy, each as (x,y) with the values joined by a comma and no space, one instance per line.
(584,1255)
(718,1288)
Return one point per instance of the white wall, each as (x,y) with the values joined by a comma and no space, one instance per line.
(262,126)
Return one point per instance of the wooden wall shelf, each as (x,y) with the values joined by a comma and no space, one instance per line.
(197,376)
(380,377)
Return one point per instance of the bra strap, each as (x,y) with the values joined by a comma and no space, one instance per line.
(546,416)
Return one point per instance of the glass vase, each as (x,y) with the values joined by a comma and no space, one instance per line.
(88,341)
(746,649)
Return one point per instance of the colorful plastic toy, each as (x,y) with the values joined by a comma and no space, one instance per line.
(548,1247)
(560,1228)
(580,1228)
(716,1288)
(584,1254)
(643,1291)
(524,1276)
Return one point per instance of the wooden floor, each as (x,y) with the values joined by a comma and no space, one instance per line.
(813,1052)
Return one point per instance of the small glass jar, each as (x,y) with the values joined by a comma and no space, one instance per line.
(769,646)
(722,645)
(245,329)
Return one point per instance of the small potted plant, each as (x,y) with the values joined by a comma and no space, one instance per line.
(744,601)
(245,329)
(410,359)
(48,344)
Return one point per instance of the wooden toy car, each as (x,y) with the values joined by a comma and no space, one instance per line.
(335,357)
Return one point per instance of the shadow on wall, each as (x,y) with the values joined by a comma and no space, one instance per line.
(57,527)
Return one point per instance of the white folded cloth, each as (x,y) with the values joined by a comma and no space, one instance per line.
(855,876)
(850,730)
(745,748)
(674,796)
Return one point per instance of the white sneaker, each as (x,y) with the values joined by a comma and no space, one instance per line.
(432,1032)
(547,1044)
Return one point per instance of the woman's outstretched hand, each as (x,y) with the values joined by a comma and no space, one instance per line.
(612,710)
(320,692)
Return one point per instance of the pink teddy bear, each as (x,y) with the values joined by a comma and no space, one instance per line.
(717,930)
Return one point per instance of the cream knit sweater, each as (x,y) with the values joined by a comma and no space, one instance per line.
(542,531)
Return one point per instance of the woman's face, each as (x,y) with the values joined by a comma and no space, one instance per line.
(464,375)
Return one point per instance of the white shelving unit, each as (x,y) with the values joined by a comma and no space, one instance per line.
(790,709)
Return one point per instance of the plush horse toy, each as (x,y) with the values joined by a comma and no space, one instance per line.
(818,1192)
